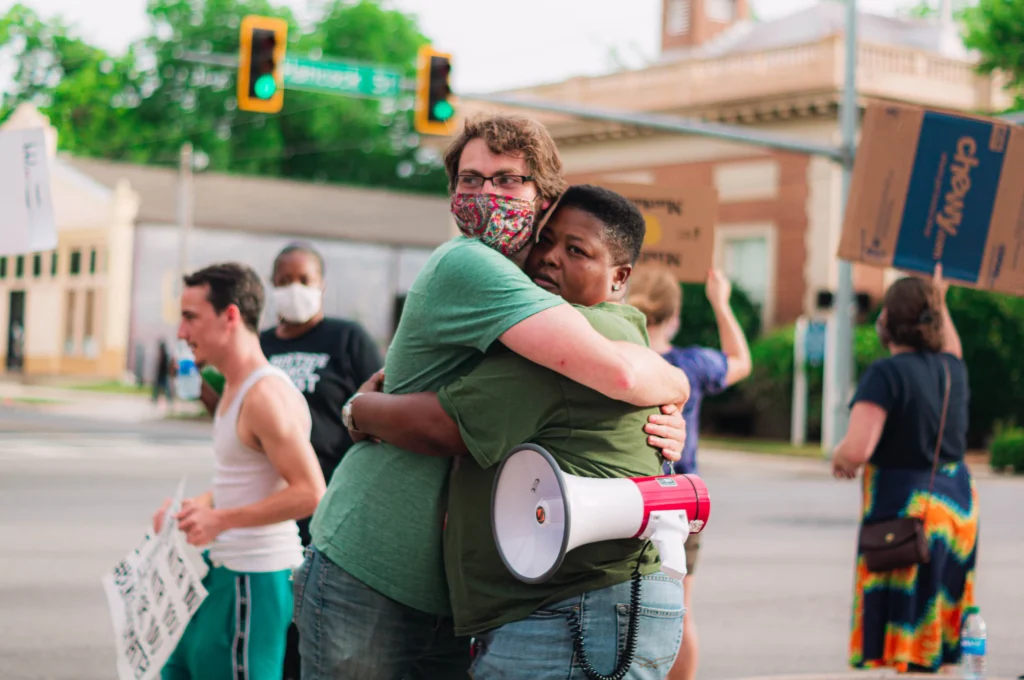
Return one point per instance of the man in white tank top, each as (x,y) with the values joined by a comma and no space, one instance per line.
(266,477)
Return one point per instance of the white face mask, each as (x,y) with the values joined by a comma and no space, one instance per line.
(296,303)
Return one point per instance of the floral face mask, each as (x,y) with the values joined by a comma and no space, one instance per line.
(503,223)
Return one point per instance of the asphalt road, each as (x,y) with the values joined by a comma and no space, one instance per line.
(772,592)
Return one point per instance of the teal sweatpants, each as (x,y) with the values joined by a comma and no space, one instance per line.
(240,630)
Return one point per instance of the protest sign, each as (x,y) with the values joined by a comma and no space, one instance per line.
(680,227)
(930,187)
(152,594)
(28,225)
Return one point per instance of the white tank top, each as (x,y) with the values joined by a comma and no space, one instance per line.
(244,476)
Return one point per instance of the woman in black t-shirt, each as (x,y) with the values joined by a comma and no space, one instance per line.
(909,618)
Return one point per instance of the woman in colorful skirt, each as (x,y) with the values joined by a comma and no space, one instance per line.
(909,618)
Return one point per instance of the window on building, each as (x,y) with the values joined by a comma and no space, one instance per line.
(92,261)
(745,262)
(3,267)
(69,324)
(88,328)
(53,264)
(677,17)
(37,265)
(19,267)
(722,11)
(76,263)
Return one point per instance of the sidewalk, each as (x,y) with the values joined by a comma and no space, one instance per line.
(722,459)
(92,404)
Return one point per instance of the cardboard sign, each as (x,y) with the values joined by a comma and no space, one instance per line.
(28,224)
(680,227)
(153,593)
(933,187)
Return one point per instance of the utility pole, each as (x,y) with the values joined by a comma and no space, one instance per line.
(839,370)
(184,207)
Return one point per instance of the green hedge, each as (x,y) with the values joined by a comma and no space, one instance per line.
(697,324)
(991,328)
(1007,451)
(769,389)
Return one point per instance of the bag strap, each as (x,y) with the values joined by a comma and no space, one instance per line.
(938,442)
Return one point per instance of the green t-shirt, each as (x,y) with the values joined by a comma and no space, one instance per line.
(508,401)
(381,518)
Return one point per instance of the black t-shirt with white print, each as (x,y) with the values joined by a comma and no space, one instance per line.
(328,364)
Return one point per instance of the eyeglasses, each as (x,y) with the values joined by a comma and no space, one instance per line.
(507,182)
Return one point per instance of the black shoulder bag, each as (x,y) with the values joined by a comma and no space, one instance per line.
(902,542)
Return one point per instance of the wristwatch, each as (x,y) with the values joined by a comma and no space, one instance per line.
(346,413)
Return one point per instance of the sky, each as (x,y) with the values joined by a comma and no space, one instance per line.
(561,38)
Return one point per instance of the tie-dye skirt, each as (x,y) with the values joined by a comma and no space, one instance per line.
(909,619)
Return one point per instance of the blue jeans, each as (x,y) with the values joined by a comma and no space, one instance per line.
(540,647)
(348,631)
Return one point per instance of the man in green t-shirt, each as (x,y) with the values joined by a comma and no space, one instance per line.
(585,252)
(372,599)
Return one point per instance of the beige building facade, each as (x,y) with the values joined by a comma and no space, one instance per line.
(66,311)
(779,217)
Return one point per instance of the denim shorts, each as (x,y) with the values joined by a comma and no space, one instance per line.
(540,647)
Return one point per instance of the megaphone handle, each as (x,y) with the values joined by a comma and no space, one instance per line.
(669,537)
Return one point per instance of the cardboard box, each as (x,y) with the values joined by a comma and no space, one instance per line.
(932,186)
(680,227)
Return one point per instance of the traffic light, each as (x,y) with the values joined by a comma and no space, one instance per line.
(261,63)
(435,102)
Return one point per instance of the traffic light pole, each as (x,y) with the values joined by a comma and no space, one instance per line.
(839,372)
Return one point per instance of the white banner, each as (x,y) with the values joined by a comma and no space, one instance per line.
(153,593)
(28,224)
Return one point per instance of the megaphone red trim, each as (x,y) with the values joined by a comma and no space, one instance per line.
(661,494)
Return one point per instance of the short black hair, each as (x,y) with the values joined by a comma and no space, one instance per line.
(232,283)
(625,227)
(299,247)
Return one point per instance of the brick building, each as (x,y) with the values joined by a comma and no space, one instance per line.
(779,215)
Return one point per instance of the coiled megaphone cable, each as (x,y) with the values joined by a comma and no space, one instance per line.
(634,613)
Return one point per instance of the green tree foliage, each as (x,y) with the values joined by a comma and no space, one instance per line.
(929,9)
(996,29)
(141,106)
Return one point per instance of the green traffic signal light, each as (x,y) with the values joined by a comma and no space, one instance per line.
(443,110)
(265,86)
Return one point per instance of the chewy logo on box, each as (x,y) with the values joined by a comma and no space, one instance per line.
(948,210)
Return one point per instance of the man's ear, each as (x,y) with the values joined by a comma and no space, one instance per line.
(233,314)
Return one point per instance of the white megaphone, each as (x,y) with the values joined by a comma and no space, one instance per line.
(539,513)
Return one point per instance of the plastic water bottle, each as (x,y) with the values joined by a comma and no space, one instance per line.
(973,636)
(188,382)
